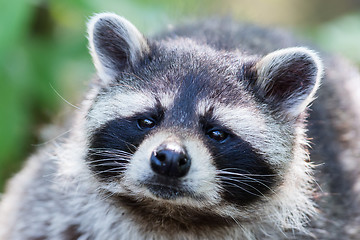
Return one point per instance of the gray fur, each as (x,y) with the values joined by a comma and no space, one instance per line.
(108,55)
(57,196)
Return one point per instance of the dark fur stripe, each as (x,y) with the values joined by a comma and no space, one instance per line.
(245,175)
(112,145)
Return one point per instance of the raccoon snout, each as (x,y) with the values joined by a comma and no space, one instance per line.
(171,160)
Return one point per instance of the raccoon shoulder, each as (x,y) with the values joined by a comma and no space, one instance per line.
(29,194)
(334,126)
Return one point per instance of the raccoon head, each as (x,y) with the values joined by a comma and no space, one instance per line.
(183,132)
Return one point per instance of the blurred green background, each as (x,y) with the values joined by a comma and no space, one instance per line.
(43,50)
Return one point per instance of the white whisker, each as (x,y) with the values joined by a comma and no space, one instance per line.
(63,98)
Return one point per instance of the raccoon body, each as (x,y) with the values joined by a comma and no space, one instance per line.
(197,134)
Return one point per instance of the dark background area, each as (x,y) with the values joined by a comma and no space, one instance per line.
(43,52)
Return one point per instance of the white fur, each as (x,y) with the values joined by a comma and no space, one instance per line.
(118,105)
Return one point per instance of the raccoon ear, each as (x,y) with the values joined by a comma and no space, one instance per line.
(287,79)
(115,44)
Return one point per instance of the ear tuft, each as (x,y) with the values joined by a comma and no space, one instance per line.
(287,79)
(115,44)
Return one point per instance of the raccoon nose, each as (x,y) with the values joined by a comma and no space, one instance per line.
(170,160)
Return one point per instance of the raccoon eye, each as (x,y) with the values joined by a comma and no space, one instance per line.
(218,135)
(146,123)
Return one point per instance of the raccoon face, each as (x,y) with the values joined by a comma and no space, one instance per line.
(177,124)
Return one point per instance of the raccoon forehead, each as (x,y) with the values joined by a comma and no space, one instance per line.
(120,104)
(239,117)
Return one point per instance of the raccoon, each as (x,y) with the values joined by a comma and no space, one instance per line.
(199,133)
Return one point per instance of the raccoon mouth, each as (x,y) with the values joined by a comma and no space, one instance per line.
(165,192)
(168,190)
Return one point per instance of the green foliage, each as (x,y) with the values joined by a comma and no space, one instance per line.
(341,35)
(43,46)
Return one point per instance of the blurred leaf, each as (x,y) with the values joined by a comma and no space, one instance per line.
(14,22)
(341,35)
(15,118)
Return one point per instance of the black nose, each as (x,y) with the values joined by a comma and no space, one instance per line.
(171,160)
